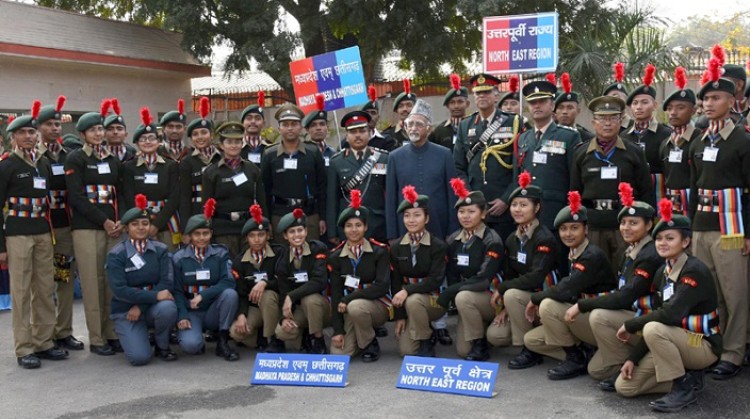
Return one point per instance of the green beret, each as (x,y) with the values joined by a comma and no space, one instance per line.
(566,97)
(197,221)
(402,97)
(88,120)
(292,219)
(474,198)
(422,201)
(46,113)
(678,222)
(313,116)
(23,121)
(683,95)
(172,116)
(639,209)
(252,225)
(256,108)
(135,213)
(201,123)
(615,86)
(641,90)
(372,104)
(721,85)
(734,71)
(567,216)
(461,92)
(114,119)
(144,129)
(362,213)
(531,191)
(72,141)
(508,96)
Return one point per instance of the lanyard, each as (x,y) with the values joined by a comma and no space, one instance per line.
(605,159)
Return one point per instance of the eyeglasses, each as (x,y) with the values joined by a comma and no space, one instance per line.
(416,124)
(151,137)
(607,118)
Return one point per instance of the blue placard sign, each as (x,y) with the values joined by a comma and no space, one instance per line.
(300,370)
(448,376)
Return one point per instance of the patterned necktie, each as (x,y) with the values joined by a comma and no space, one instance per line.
(118,151)
(640,126)
(234,164)
(140,245)
(455,122)
(207,152)
(468,235)
(258,256)
(200,253)
(298,252)
(414,246)
(714,127)
(356,250)
(676,134)
(99,151)
(30,155)
(150,160)
(322,147)
(54,148)
(522,231)
(175,147)
(253,141)
(669,266)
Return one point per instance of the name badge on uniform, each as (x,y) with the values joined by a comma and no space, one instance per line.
(103,168)
(151,178)
(621,283)
(675,156)
(253,157)
(641,145)
(351,281)
(668,292)
(40,183)
(540,158)
(300,277)
(137,261)
(609,172)
(290,164)
(203,275)
(260,277)
(710,154)
(462,259)
(379,169)
(58,170)
(522,257)
(239,179)
(455,136)
(327,160)
(472,132)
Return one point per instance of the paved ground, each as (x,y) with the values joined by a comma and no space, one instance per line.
(90,386)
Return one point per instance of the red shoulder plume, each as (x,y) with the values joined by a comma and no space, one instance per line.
(181,105)
(680,77)
(104,108)
(551,78)
(455,81)
(665,210)
(513,84)
(410,194)
(718,52)
(355,195)
(648,75)
(459,188)
(626,194)
(704,77)
(407,86)
(35,108)
(574,201)
(714,69)
(261,98)
(619,72)
(372,94)
(567,85)
(257,213)
(298,213)
(146,116)
(60,103)
(116,106)
(524,179)
(209,208)
(141,202)
(320,102)
(205,107)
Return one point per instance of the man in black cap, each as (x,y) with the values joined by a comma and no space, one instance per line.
(377,138)
(402,105)
(174,125)
(457,101)
(483,153)
(294,175)
(617,89)
(116,132)
(357,167)
(737,75)
(567,108)
(316,125)
(253,119)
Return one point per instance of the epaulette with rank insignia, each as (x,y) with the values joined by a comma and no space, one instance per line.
(567,127)
(379,150)
(338,246)
(4,156)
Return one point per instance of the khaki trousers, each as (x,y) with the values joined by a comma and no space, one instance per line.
(360,320)
(515,303)
(313,228)
(669,356)
(64,290)
(313,313)
(610,241)
(91,247)
(611,353)
(31,287)
(730,269)
(421,309)
(554,333)
(265,316)
(475,314)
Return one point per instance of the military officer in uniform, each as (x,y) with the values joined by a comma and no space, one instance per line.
(377,138)
(483,153)
(357,167)
(115,133)
(253,120)
(457,101)
(294,175)
(402,106)
(26,244)
(316,125)
(600,166)
(174,123)
(567,108)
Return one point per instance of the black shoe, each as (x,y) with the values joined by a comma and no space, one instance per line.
(104,350)
(165,354)
(115,345)
(681,396)
(29,362)
(725,370)
(381,332)
(608,384)
(54,354)
(174,339)
(152,339)
(318,345)
(480,350)
(426,349)
(275,345)
(372,352)
(573,366)
(70,343)
(210,336)
(223,349)
(452,310)
(526,359)
(306,345)
(697,380)
(443,337)
(262,343)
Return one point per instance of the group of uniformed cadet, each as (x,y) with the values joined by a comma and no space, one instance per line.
(621,252)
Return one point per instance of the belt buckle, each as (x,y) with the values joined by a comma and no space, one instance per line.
(103,194)
(707,200)
(36,208)
(155,209)
(294,202)
(234,216)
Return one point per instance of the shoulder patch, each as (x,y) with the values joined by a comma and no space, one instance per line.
(567,128)
(643,273)
(579,266)
(235,274)
(330,268)
(689,281)
(321,256)
(69,172)
(377,243)
(493,254)
(543,249)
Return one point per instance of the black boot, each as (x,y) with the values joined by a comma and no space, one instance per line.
(480,350)
(318,345)
(115,345)
(223,349)
(306,345)
(608,384)
(29,362)
(381,331)
(573,366)
(165,354)
(372,352)
(725,370)
(443,337)
(681,396)
(526,359)
(426,348)
(697,380)
(210,336)
(275,345)
(261,343)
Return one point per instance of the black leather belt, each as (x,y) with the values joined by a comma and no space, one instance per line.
(293,202)
(232,216)
(603,204)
